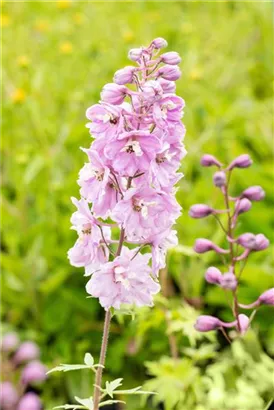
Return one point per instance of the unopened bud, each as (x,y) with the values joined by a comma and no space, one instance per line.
(254,193)
(30,401)
(213,275)
(152,91)
(243,323)
(228,281)
(204,245)
(9,342)
(243,206)
(219,179)
(243,161)
(135,54)
(113,93)
(206,323)
(124,75)
(208,160)
(267,298)
(200,211)
(247,240)
(159,42)
(169,72)
(171,57)
(8,396)
(34,372)
(169,87)
(26,351)
(261,242)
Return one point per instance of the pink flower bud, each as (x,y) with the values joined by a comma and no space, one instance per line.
(228,281)
(171,57)
(213,275)
(8,396)
(254,193)
(208,160)
(34,372)
(152,91)
(159,43)
(204,245)
(243,161)
(219,179)
(114,93)
(135,54)
(9,342)
(243,206)
(169,87)
(243,322)
(247,240)
(30,401)
(206,323)
(26,351)
(261,242)
(200,211)
(267,298)
(169,72)
(124,75)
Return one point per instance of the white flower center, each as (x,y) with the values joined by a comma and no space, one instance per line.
(143,207)
(133,147)
(120,276)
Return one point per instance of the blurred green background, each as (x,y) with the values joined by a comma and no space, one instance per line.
(56,58)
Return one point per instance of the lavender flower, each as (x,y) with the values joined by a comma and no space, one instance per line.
(30,401)
(205,245)
(243,161)
(27,351)
(219,179)
(34,372)
(200,211)
(253,193)
(208,160)
(8,396)
(267,298)
(10,342)
(213,275)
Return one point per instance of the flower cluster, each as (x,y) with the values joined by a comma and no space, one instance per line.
(239,247)
(129,177)
(24,359)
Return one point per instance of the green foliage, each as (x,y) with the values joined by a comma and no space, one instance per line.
(57,56)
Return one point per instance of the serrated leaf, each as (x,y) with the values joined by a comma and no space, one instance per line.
(88,359)
(111,386)
(88,403)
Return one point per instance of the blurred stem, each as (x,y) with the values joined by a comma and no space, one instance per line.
(99,371)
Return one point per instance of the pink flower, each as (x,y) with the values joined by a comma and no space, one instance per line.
(34,372)
(169,109)
(160,244)
(26,351)
(132,152)
(30,401)
(213,275)
(126,280)
(89,250)
(106,119)
(8,396)
(144,212)
(171,57)
(124,75)
(169,72)
(9,342)
(114,94)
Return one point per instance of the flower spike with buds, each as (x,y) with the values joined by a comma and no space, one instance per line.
(129,177)
(230,280)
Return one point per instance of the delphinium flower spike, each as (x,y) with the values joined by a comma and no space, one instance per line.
(129,177)
(234,207)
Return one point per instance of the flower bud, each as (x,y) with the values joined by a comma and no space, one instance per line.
(219,179)
(228,281)
(169,72)
(204,245)
(9,342)
(208,160)
(8,396)
(171,57)
(200,211)
(26,351)
(152,91)
(247,240)
(113,93)
(243,323)
(169,87)
(213,275)
(267,298)
(243,206)
(159,43)
(135,54)
(261,242)
(243,161)
(206,323)
(34,372)
(30,401)
(124,75)
(254,193)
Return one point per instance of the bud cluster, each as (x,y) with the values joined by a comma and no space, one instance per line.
(20,359)
(129,179)
(238,248)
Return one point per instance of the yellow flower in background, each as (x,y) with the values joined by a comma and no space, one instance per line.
(66,47)
(18,95)
(5,20)
(128,36)
(63,4)
(23,61)
(78,18)
(195,74)
(41,25)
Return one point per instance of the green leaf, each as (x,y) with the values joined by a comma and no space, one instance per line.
(88,403)
(88,359)
(108,402)
(111,386)
(68,368)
